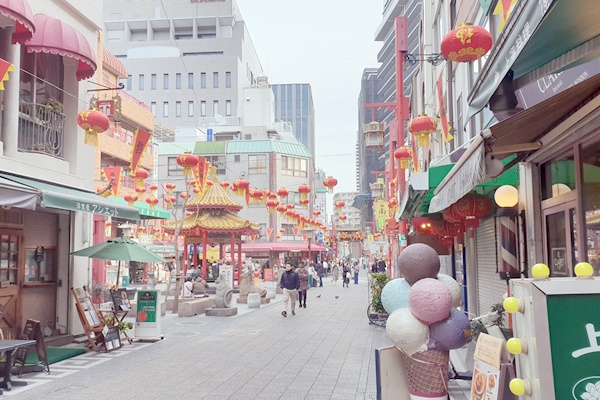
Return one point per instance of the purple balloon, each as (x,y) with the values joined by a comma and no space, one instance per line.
(451,333)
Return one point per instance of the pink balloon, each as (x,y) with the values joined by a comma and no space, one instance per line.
(430,300)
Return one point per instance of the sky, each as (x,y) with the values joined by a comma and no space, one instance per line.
(328,44)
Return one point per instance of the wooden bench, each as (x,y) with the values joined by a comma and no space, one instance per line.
(193,307)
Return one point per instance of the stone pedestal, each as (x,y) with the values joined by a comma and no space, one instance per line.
(221,312)
(265,300)
(271,293)
(242,300)
(254,300)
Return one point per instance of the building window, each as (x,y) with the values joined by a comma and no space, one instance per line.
(153,82)
(165,81)
(227,79)
(190,80)
(203,109)
(257,164)
(203,80)
(218,162)
(165,109)
(141,82)
(153,108)
(215,80)
(215,107)
(128,82)
(190,108)
(174,169)
(236,158)
(292,166)
(178,109)
(177,81)
(228,108)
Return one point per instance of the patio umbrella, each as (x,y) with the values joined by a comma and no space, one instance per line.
(119,249)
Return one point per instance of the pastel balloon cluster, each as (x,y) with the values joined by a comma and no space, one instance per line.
(422,305)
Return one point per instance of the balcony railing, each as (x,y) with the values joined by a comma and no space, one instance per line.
(124,137)
(41,130)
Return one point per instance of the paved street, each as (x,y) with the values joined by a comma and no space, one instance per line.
(325,351)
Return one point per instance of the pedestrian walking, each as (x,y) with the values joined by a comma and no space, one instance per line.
(335,273)
(345,276)
(290,283)
(321,273)
(303,276)
(356,269)
(375,267)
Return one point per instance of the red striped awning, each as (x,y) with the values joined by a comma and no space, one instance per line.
(54,36)
(257,247)
(20,12)
(114,64)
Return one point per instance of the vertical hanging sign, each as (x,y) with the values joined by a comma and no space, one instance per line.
(443,117)
(140,142)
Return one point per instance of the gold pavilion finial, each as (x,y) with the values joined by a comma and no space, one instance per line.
(212,173)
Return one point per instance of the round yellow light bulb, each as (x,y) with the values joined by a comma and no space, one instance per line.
(517,386)
(584,270)
(540,271)
(512,305)
(514,346)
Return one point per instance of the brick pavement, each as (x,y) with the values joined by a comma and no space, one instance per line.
(325,351)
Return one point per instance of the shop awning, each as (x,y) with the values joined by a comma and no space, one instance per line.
(258,247)
(20,12)
(144,209)
(13,194)
(551,36)
(519,135)
(54,196)
(54,36)
(114,63)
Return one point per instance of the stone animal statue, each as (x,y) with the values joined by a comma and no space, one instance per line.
(224,293)
(247,285)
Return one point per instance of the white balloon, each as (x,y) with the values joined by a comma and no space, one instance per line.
(453,287)
(406,332)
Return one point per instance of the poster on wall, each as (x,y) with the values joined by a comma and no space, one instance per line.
(558,261)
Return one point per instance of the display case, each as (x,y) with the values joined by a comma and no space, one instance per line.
(40,265)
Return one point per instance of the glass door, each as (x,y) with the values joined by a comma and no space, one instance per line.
(560,240)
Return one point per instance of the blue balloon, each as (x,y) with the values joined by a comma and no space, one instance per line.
(395,295)
(453,332)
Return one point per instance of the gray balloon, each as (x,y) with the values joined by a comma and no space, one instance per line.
(418,261)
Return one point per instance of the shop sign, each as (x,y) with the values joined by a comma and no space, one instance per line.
(558,261)
(147,319)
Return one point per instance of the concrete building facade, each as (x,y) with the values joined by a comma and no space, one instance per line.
(187,60)
(294,105)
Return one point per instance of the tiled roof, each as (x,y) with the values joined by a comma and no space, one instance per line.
(213,220)
(210,147)
(267,146)
(175,148)
(214,197)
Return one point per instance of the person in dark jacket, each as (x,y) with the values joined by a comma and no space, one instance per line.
(290,283)
(321,273)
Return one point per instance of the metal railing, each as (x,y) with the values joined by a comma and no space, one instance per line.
(41,130)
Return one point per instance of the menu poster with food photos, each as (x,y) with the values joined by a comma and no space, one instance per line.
(486,371)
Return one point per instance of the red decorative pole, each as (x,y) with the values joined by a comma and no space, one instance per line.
(239,262)
(204,263)
(232,251)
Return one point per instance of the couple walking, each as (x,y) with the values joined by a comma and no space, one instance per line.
(294,283)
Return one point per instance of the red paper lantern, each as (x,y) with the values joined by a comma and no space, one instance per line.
(472,207)
(153,188)
(271,205)
(304,203)
(403,155)
(93,122)
(140,190)
(183,195)
(170,187)
(330,182)
(197,190)
(283,193)
(225,184)
(139,175)
(131,198)
(343,217)
(281,209)
(316,213)
(422,127)
(442,228)
(170,200)
(466,43)
(272,195)
(152,201)
(304,190)
(141,229)
(339,205)
(187,161)
(451,216)
(289,214)
(277,237)
(290,206)
(209,183)
(241,188)
(393,205)
(257,195)
(282,231)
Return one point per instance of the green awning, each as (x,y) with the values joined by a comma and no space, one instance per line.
(65,198)
(144,209)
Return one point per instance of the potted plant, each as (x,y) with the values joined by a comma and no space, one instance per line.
(377,282)
(53,104)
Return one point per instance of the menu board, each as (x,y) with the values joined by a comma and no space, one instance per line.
(486,371)
(120,299)
(112,338)
(32,331)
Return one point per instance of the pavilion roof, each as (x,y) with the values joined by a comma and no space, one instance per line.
(215,196)
(213,220)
